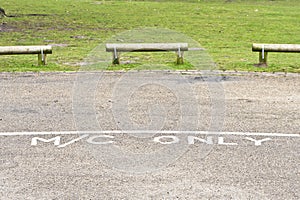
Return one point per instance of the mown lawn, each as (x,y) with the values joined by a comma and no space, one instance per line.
(226,29)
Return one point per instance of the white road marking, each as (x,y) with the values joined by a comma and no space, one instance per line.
(258,142)
(149,132)
(72,141)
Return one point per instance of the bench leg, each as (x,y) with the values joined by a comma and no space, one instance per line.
(116,58)
(42,59)
(263,57)
(179,59)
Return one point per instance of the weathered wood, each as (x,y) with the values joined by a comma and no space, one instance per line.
(42,51)
(42,59)
(144,47)
(179,48)
(276,48)
(179,59)
(12,50)
(116,58)
(263,57)
(263,50)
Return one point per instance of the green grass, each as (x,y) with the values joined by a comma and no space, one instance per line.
(225,30)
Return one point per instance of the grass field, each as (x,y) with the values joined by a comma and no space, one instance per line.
(226,29)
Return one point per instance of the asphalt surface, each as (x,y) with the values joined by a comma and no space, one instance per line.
(139,163)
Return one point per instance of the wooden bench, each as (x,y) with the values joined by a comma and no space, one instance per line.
(263,50)
(116,49)
(42,51)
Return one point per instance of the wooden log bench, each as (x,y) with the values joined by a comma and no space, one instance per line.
(116,49)
(264,49)
(41,51)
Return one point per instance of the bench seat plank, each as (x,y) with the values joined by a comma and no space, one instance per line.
(144,47)
(12,50)
(276,47)
(42,51)
(116,49)
(264,49)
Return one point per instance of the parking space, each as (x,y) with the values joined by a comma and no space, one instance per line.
(161,136)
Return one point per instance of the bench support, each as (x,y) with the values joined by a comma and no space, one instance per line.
(42,59)
(263,57)
(116,61)
(116,57)
(179,59)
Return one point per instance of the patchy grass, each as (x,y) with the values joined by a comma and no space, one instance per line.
(225,28)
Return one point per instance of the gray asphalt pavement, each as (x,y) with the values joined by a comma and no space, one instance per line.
(149,135)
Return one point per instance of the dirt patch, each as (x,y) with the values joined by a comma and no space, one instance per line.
(4,27)
(29,15)
(7,27)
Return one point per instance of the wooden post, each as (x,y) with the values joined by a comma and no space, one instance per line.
(263,57)
(116,57)
(42,59)
(179,59)
(179,56)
